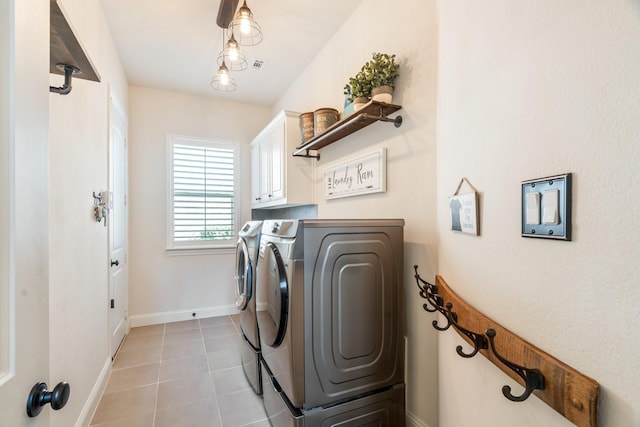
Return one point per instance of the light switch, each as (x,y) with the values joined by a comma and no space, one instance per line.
(533,208)
(550,207)
(545,207)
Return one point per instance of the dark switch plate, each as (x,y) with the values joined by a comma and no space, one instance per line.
(559,231)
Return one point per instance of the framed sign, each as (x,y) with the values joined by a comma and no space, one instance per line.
(464,210)
(363,174)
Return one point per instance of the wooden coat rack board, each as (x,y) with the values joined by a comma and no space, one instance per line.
(566,390)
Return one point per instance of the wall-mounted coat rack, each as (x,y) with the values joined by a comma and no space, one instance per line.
(566,390)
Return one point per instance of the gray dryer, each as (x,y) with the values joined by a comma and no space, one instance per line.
(246,262)
(331,336)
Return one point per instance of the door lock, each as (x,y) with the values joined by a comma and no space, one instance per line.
(116,263)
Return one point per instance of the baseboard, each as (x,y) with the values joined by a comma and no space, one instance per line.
(177,316)
(91,404)
(413,421)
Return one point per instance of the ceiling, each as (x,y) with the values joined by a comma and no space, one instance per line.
(174,45)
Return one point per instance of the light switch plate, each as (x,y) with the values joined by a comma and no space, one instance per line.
(552,186)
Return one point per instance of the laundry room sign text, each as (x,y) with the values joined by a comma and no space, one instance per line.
(363,174)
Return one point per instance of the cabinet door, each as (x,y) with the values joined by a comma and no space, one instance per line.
(256,167)
(277,152)
(265,170)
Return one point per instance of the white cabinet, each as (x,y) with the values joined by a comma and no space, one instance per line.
(278,179)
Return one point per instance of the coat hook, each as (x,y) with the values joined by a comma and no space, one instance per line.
(450,316)
(479,341)
(430,293)
(533,378)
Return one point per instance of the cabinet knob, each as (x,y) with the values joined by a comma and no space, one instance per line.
(258,198)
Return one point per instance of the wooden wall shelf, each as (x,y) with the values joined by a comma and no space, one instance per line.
(372,112)
(66,48)
(566,390)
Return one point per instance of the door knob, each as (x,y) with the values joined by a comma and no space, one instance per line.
(40,396)
(116,262)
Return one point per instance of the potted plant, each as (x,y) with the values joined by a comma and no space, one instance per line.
(358,90)
(382,71)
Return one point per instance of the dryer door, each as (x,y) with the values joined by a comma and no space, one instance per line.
(273,322)
(244,273)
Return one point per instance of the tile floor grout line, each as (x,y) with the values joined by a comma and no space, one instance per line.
(155,407)
(152,419)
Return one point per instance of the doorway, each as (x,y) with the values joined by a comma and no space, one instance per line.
(117,222)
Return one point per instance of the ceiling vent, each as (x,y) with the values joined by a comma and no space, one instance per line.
(258,64)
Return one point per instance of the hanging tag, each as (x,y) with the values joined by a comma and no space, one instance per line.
(464,210)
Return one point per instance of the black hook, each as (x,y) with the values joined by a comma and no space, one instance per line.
(533,378)
(451,318)
(479,341)
(430,293)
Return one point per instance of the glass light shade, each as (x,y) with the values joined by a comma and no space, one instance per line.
(233,56)
(246,29)
(223,81)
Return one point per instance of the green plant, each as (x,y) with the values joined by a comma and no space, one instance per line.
(359,86)
(217,232)
(382,70)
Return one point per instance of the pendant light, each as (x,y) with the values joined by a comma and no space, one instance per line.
(232,56)
(247,31)
(223,81)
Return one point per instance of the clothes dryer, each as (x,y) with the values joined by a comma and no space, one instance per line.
(331,336)
(245,290)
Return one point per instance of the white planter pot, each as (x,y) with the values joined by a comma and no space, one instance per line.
(358,103)
(382,94)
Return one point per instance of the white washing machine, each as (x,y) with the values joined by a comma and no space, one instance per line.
(245,289)
(331,336)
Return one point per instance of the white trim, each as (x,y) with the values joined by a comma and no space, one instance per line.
(193,245)
(177,316)
(413,421)
(91,404)
(201,251)
(8,311)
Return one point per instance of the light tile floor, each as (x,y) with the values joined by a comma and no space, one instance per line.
(184,374)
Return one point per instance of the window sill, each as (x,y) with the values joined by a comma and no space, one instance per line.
(201,251)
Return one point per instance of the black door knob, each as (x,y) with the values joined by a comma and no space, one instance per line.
(40,396)
(116,262)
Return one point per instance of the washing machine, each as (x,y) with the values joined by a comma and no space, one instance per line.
(331,334)
(245,290)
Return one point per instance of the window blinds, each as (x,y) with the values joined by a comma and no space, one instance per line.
(203,193)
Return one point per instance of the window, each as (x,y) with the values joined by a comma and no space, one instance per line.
(203,195)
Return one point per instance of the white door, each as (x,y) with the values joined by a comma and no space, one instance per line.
(117,223)
(24,227)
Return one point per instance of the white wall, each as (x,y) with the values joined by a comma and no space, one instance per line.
(378,26)
(527,90)
(79,336)
(164,287)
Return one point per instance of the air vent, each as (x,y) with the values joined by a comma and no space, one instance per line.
(258,64)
